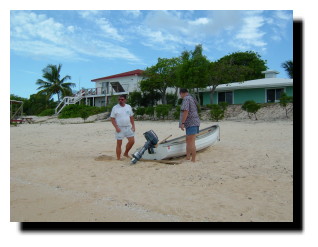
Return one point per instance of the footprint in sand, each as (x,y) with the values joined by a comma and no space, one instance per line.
(104,158)
(108,158)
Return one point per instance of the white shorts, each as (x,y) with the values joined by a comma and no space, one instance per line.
(124,132)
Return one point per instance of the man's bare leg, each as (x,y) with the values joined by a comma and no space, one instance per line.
(191,148)
(118,148)
(131,142)
(188,150)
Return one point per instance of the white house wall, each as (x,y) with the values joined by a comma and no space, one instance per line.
(129,83)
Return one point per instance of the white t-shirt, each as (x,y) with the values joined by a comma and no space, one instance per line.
(122,115)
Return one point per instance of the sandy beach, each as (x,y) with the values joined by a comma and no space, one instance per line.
(69,173)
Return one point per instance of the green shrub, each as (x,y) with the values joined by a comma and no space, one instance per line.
(84,113)
(224,105)
(246,103)
(140,111)
(251,107)
(176,114)
(150,110)
(74,111)
(284,100)
(162,111)
(217,113)
(209,106)
(47,112)
(103,109)
(113,101)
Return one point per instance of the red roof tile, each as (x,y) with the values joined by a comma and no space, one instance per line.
(129,73)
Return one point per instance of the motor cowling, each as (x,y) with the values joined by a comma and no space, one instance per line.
(152,140)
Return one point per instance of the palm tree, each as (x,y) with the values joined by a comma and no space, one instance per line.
(288,66)
(54,85)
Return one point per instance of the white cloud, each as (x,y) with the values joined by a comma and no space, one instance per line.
(162,40)
(108,29)
(102,23)
(38,36)
(40,49)
(165,21)
(200,21)
(167,30)
(105,34)
(282,15)
(71,29)
(276,37)
(251,35)
(279,25)
(108,50)
(89,14)
(187,28)
(28,25)
(133,13)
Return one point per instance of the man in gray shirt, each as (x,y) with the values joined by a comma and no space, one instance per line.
(190,121)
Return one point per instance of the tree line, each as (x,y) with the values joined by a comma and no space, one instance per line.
(191,70)
(194,71)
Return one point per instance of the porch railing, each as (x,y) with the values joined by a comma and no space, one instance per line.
(112,90)
(68,100)
(91,92)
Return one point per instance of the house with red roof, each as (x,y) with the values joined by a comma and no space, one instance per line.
(117,84)
(105,87)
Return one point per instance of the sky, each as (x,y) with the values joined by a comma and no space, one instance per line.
(99,43)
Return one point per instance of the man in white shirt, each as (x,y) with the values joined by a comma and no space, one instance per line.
(123,121)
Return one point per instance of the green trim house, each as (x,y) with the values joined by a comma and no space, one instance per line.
(265,90)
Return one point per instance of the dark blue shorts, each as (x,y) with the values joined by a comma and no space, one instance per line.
(192,130)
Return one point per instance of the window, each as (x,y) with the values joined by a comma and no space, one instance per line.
(226,97)
(273,95)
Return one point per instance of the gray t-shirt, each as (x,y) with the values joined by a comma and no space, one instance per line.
(189,104)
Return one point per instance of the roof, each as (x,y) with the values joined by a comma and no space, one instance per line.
(129,73)
(16,101)
(259,83)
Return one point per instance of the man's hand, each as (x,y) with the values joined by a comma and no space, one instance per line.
(118,129)
(182,127)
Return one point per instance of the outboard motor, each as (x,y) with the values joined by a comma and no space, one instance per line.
(152,140)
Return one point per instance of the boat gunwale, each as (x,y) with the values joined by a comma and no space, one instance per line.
(182,139)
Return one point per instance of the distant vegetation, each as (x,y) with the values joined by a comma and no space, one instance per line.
(47,112)
(83,111)
(191,70)
(37,104)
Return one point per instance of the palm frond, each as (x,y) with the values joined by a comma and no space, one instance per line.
(53,84)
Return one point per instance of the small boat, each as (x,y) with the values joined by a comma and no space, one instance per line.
(177,147)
